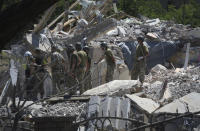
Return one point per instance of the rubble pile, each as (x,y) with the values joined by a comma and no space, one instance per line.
(179,83)
(67,109)
(120,97)
(154,29)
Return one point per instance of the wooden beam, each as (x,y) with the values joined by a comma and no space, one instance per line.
(62,14)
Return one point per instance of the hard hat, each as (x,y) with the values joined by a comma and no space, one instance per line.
(103,44)
(140,38)
(86,48)
(28,54)
(70,47)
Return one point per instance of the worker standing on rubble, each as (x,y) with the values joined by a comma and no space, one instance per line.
(140,62)
(88,80)
(74,62)
(82,68)
(29,72)
(41,72)
(110,60)
(57,68)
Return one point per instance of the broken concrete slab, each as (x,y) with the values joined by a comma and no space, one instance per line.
(153,22)
(153,90)
(39,41)
(144,104)
(116,87)
(188,103)
(109,107)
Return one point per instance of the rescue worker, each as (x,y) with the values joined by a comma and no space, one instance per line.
(88,80)
(57,68)
(29,76)
(29,64)
(140,62)
(82,67)
(41,72)
(110,60)
(74,62)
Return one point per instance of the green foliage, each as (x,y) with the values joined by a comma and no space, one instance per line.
(186,14)
(7,3)
(152,9)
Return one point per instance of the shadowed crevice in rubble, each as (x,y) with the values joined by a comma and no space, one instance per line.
(16,17)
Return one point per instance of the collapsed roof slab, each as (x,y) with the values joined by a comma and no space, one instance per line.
(188,103)
(144,104)
(116,87)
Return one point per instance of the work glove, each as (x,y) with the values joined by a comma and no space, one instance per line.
(140,58)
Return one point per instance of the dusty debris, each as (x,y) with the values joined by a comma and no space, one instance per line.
(105,101)
(188,103)
(179,83)
(60,109)
(145,104)
(116,87)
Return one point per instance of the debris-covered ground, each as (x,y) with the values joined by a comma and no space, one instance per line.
(178,82)
(172,83)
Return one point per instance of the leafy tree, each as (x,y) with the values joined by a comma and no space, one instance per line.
(188,13)
(152,9)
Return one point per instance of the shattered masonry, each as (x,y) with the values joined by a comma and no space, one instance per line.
(168,100)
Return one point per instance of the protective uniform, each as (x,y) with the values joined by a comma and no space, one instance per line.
(41,73)
(29,77)
(71,78)
(110,60)
(140,64)
(87,77)
(81,69)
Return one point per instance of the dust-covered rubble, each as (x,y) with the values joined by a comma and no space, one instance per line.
(179,83)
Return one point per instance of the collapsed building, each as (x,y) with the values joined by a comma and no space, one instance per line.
(168,100)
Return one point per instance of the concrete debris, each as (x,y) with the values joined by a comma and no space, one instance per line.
(145,104)
(154,90)
(179,83)
(188,103)
(116,87)
(60,109)
(168,88)
(153,22)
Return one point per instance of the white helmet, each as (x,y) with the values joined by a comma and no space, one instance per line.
(28,54)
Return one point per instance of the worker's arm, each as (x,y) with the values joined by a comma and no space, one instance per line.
(102,57)
(145,52)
